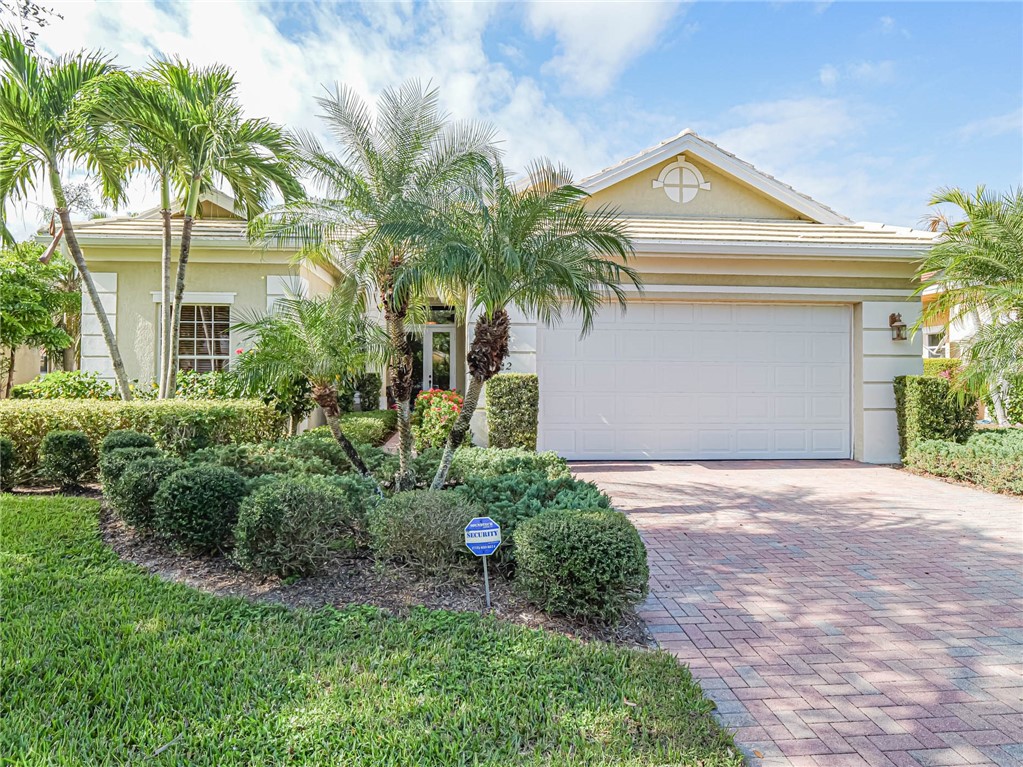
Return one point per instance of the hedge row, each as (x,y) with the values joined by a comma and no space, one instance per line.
(941,366)
(177,426)
(926,408)
(991,459)
(513,410)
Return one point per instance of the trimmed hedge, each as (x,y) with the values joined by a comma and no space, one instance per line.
(370,428)
(132,494)
(177,426)
(937,366)
(198,506)
(113,463)
(584,564)
(493,462)
(66,457)
(927,408)
(122,438)
(423,528)
(513,410)
(991,459)
(8,464)
(260,459)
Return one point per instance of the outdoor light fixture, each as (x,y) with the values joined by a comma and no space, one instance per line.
(898,327)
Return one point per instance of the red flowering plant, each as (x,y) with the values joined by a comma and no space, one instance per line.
(435,413)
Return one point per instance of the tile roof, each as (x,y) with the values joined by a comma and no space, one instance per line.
(142,228)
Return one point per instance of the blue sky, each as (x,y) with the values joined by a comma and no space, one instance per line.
(868,107)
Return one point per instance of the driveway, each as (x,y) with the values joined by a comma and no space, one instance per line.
(839,613)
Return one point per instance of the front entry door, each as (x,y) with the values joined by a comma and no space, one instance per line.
(432,358)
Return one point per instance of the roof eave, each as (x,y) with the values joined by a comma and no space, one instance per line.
(791,249)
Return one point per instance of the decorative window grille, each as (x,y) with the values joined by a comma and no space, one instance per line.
(205,341)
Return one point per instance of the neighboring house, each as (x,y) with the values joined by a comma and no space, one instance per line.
(763,330)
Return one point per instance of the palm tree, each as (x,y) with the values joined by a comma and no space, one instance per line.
(325,340)
(394,170)
(184,125)
(975,271)
(41,137)
(535,246)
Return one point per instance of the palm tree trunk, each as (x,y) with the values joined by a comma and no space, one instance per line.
(171,361)
(10,374)
(458,432)
(165,295)
(400,376)
(90,285)
(326,398)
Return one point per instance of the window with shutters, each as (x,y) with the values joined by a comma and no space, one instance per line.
(205,341)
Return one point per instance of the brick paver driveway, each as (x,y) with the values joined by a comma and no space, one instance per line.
(839,613)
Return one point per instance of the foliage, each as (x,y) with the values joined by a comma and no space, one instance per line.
(133,493)
(927,408)
(259,459)
(373,427)
(991,459)
(125,438)
(215,384)
(508,499)
(492,462)
(8,464)
(261,684)
(179,427)
(66,457)
(943,367)
(113,463)
(423,528)
(369,386)
(1014,407)
(585,564)
(434,415)
(197,506)
(65,384)
(295,526)
(513,410)
(578,494)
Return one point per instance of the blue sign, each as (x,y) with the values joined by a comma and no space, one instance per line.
(482,536)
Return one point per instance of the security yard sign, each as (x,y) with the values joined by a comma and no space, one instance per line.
(482,537)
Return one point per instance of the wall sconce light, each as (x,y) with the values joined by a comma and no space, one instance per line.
(898,327)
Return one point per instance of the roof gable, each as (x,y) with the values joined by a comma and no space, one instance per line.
(678,170)
(212,204)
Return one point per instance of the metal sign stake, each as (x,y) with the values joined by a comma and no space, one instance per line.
(486,580)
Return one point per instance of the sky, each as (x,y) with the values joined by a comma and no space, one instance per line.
(867,107)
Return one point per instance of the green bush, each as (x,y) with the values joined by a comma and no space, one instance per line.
(295,526)
(133,492)
(369,392)
(255,460)
(584,564)
(112,463)
(578,494)
(8,464)
(492,462)
(991,459)
(319,445)
(66,457)
(198,506)
(177,426)
(508,499)
(943,367)
(927,408)
(371,428)
(513,410)
(424,528)
(115,440)
(69,384)
(1014,406)
(435,413)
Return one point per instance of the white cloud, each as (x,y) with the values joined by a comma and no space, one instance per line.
(828,76)
(989,127)
(864,72)
(597,40)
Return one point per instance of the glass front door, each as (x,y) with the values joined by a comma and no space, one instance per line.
(431,359)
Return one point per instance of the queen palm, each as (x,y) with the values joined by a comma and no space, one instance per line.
(536,247)
(42,138)
(975,270)
(395,170)
(325,340)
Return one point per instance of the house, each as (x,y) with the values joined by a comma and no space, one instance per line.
(763,329)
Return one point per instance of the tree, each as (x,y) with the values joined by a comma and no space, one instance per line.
(327,341)
(30,302)
(975,272)
(395,173)
(183,124)
(533,246)
(41,136)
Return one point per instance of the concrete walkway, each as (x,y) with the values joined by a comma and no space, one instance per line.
(839,613)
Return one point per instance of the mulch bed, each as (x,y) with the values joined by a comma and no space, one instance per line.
(357,580)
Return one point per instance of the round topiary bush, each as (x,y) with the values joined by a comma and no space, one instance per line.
(8,463)
(65,457)
(132,494)
(295,525)
(424,528)
(584,564)
(121,438)
(112,463)
(198,506)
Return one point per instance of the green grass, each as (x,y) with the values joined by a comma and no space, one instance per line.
(104,664)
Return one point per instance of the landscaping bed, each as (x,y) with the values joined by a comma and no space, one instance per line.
(991,459)
(110,665)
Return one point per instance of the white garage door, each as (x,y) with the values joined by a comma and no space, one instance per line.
(699,381)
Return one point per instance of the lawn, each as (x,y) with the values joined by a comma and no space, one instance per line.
(105,664)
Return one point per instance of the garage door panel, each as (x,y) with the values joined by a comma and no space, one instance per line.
(699,380)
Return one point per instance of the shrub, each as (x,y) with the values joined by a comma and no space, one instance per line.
(508,499)
(68,384)
(295,525)
(513,410)
(578,494)
(1014,407)
(132,494)
(216,384)
(435,413)
(125,438)
(941,367)
(584,564)
(991,459)
(8,464)
(177,426)
(112,463)
(425,528)
(372,428)
(927,408)
(198,506)
(369,392)
(260,459)
(66,457)
(493,462)
(319,445)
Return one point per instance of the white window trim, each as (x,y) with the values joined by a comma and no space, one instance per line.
(945,332)
(211,357)
(194,297)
